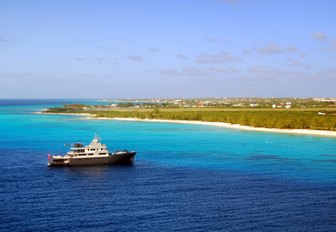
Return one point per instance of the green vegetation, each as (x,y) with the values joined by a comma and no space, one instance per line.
(268,118)
(71,108)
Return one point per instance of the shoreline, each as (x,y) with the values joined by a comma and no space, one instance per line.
(233,126)
(218,124)
(73,114)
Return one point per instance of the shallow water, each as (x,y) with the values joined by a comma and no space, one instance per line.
(186,177)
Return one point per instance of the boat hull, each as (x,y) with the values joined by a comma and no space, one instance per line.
(117,158)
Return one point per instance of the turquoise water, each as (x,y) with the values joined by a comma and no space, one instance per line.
(277,175)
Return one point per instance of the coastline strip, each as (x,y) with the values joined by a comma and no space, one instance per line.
(231,126)
(74,114)
(218,124)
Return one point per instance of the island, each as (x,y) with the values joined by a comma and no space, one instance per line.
(275,113)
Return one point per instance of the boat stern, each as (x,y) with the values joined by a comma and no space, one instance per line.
(57,161)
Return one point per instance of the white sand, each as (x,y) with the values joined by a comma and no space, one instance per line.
(76,114)
(219,124)
(232,126)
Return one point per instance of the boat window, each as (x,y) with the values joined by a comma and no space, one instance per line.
(102,153)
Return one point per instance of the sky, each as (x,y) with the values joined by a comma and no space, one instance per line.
(167,49)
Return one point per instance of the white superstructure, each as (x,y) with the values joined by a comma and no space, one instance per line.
(93,154)
(94,149)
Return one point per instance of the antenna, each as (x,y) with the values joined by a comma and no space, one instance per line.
(96,137)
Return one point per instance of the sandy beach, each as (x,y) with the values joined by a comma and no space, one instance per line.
(218,124)
(232,126)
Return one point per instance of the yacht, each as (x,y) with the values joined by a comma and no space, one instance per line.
(95,153)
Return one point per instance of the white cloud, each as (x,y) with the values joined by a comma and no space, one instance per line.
(297,64)
(190,71)
(320,36)
(101,60)
(186,71)
(182,57)
(292,49)
(220,58)
(223,70)
(154,49)
(136,58)
(331,47)
(86,76)
(246,52)
(270,49)
(169,72)
(221,41)
(260,69)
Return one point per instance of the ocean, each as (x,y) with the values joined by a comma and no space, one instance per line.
(185,177)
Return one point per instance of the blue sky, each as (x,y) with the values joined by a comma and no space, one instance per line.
(167,49)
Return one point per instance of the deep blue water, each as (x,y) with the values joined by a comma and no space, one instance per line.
(185,178)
